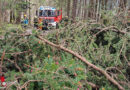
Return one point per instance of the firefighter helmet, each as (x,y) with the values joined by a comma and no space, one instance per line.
(25,15)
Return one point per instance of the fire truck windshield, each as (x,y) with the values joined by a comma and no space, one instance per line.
(47,13)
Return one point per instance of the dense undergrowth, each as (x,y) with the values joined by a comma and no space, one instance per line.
(41,66)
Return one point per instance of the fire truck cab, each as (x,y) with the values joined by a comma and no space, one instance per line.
(48,16)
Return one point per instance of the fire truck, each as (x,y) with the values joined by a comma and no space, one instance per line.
(48,17)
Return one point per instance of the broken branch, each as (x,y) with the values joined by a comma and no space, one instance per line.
(83,60)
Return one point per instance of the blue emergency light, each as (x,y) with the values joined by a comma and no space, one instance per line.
(47,8)
(53,8)
(41,8)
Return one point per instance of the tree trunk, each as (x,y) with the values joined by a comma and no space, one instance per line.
(85,9)
(0,13)
(7,16)
(97,7)
(104,4)
(106,1)
(79,9)
(29,13)
(91,8)
(68,8)
(74,9)
(122,4)
(18,19)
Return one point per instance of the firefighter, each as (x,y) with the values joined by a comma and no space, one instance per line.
(35,22)
(25,21)
(45,25)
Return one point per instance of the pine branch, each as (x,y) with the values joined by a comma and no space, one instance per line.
(83,60)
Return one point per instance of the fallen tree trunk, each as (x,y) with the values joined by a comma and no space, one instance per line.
(84,60)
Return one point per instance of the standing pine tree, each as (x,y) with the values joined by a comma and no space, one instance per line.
(74,9)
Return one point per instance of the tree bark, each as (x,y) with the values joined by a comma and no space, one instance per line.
(122,4)
(91,8)
(0,13)
(18,19)
(29,13)
(74,10)
(85,9)
(68,7)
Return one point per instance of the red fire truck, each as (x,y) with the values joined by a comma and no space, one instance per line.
(48,17)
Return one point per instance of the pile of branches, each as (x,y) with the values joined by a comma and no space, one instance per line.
(104,46)
(78,56)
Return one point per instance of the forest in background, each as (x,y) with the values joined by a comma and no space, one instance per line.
(89,51)
(13,10)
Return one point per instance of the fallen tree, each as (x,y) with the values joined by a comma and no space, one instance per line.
(84,60)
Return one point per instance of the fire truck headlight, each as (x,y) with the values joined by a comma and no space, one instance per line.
(54,24)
